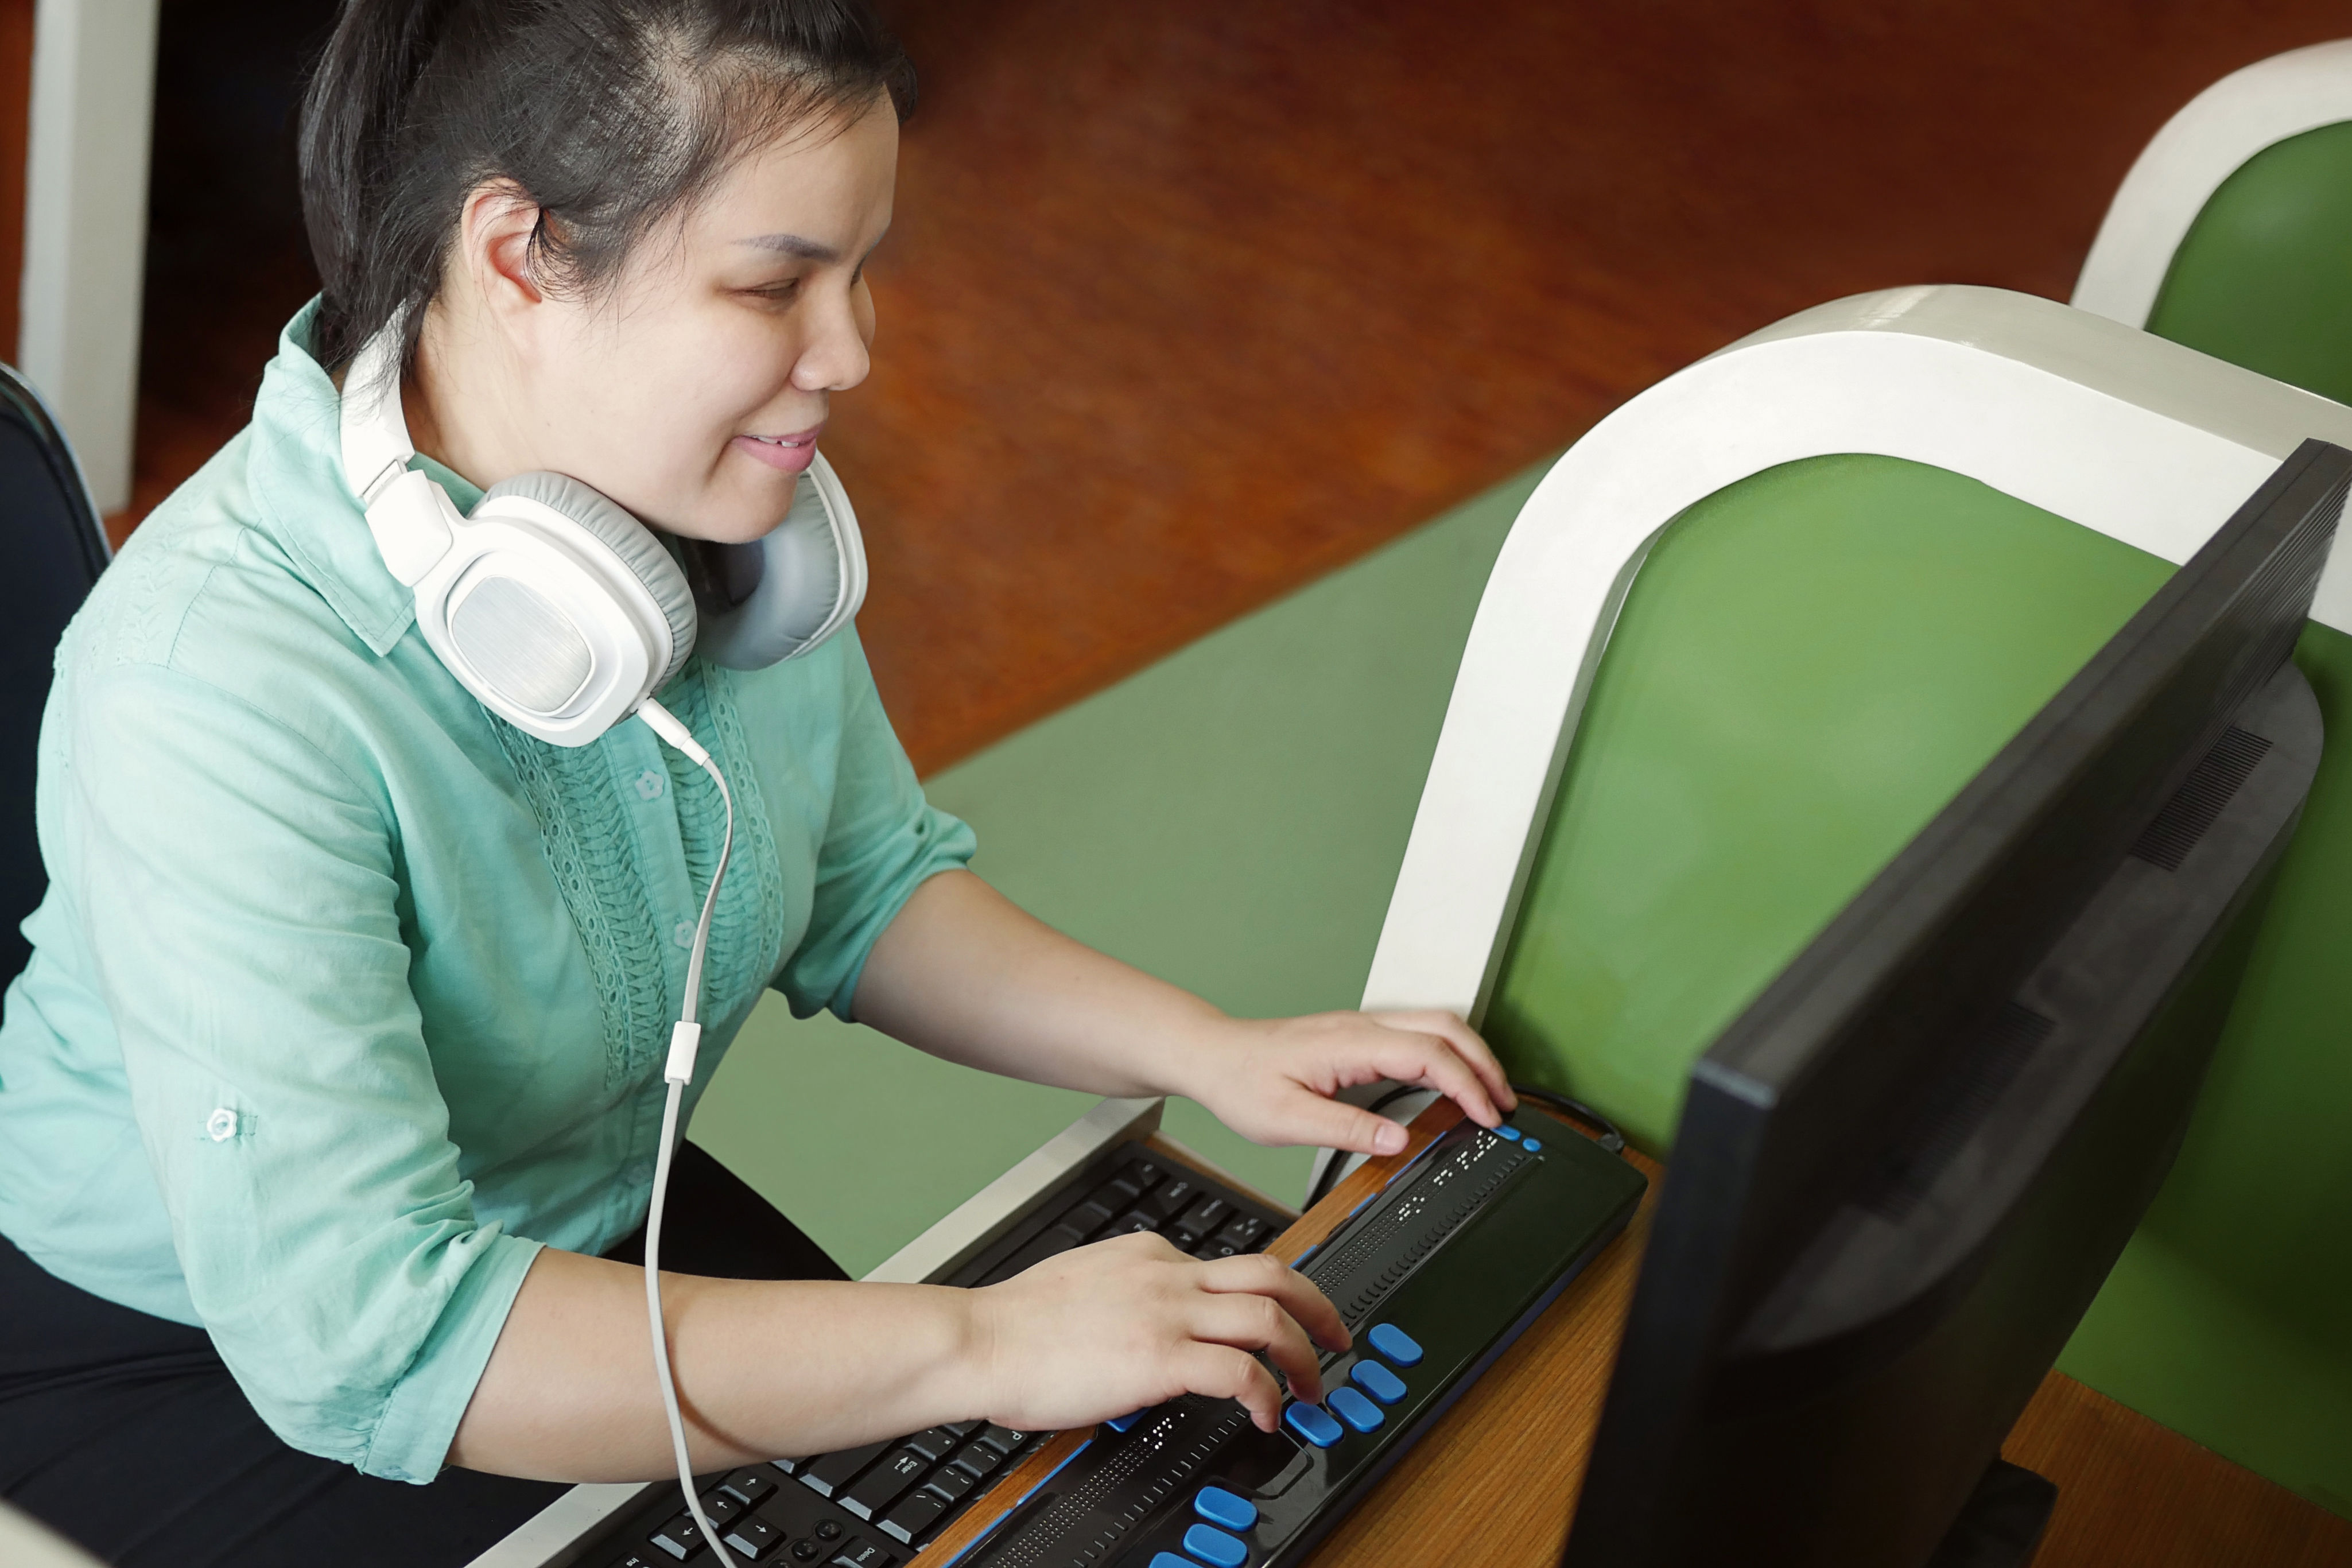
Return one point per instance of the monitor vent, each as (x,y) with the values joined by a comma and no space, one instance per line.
(2200,799)
(1963,1097)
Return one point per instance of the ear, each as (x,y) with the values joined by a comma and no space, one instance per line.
(495,228)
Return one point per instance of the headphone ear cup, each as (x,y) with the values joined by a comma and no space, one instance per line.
(778,598)
(631,540)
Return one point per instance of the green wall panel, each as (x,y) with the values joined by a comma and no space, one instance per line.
(2261,278)
(1231,818)
(1811,663)
(2225,1318)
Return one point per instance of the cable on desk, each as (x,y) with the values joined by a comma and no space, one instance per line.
(1611,1138)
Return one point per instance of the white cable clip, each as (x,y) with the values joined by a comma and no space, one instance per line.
(685,1040)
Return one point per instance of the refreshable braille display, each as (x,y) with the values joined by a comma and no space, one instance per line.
(1435,1274)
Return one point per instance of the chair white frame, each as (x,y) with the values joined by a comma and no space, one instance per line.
(2177,174)
(2139,438)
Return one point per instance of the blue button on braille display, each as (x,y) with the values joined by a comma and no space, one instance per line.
(1395,1343)
(1378,1381)
(1533,1146)
(1121,1423)
(1313,1422)
(1354,1409)
(1226,1509)
(1215,1548)
(1169,1560)
(1507,1130)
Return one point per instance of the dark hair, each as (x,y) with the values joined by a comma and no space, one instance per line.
(609,114)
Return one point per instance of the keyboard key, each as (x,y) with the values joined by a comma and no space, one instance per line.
(1002,1439)
(829,1529)
(1207,1216)
(1313,1422)
(1115,1194)
(1226,1511)
(1532,1145)
(1144,1174)
(753,1537)
(1169,1560)
(1215,1547)
(828,1473)
(882,1484)
(718,1507)
(751,1485)
(1134,1222)
(1241,1232)
(1213,1249)
(934,1444)
(1087,1218)
(634,1561)
(681,1537)
(916,1515)
(806,1550)
(980,1459)
(1124,1423)
(861,1553)
(790,1466)
(1174,1197)
(1354,1409)
(1395,1343)
(950,1483)
(1507,1130)
(1377,1381)
(960,1428)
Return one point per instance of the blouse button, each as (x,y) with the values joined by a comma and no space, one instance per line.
(682,934)
(222,1124)
(650,783)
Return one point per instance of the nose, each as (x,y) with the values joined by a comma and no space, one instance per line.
(835,357)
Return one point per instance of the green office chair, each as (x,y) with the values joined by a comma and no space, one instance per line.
(2232,233)
(1747,637)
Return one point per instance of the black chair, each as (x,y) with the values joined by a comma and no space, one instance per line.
(56,549)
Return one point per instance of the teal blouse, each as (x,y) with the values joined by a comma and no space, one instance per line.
(346,995)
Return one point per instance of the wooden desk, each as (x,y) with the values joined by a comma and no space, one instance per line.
(1496,1482)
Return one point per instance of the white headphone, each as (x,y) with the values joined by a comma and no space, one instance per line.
(561,612)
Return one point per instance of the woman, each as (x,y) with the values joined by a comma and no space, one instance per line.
(337,1070)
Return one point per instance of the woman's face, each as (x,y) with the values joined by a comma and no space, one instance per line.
(694,390)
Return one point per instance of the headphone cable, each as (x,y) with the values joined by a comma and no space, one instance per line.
(685,1042)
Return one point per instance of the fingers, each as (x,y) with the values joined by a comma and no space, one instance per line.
(1336,1124)
(1430,1060)
(1472,1047)
(1292,1291)
(1251,1323)
(1221,1372)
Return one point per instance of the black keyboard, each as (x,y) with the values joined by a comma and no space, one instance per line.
(875,1506)
(1436,1275)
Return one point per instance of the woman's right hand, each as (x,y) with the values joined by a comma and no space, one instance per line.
(1124,1324)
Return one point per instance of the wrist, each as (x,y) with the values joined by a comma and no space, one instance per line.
(1205,1062)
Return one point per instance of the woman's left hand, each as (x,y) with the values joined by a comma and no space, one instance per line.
(1272,1080)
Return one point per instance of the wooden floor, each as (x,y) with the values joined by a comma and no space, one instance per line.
(1186,306)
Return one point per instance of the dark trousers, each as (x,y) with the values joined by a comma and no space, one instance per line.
(127,1434)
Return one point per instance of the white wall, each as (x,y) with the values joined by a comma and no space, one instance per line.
(86,225)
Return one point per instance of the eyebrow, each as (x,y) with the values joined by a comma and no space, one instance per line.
(793,245)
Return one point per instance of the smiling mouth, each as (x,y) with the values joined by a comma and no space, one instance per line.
(798,438)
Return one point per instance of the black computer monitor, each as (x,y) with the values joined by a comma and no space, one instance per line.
(1904,1172)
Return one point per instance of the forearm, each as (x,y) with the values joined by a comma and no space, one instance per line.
(966,975)
(763,1368)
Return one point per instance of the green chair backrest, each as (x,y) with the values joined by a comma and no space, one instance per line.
(1810,664)
(2263,276)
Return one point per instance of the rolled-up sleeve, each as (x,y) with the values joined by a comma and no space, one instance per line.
(882,841)
(241,896)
